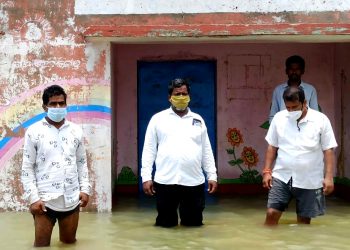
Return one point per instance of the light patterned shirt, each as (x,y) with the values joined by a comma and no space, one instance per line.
(54,163)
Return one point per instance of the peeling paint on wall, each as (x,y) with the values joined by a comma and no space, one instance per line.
(35,52)
(107,7)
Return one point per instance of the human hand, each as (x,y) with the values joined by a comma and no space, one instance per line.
(328,186)
(84,199)
(148,188)
(37,208)
(212,186)
(267,180)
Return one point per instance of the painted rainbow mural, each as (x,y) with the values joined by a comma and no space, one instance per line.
(77,113)
(92,106)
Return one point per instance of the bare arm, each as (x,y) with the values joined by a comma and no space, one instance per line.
(270,157)
(329,159)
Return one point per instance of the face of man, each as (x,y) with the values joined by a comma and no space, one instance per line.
(56,101)
(293,106)
(179,99)
(180,91)
(296,106)
(294,73)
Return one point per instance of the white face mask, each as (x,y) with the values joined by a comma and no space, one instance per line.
(295,115)
(56,114)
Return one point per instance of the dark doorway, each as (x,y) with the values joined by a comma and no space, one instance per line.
(153,80)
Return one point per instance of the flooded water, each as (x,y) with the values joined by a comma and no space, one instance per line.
(230,223)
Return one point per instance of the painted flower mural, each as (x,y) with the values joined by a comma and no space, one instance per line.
(248,158)
(234,137)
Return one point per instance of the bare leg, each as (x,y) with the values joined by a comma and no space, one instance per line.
(43,230)
(303,220)
(68,227)
(272,216)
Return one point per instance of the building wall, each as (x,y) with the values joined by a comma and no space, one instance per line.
(246,76)
(342,104)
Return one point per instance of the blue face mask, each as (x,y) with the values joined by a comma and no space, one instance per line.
(57,114)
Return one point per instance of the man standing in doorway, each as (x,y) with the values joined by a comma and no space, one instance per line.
(54,170)
(305,161)
(295,68)
(177,141)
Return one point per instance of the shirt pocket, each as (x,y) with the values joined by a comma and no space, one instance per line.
(195,133)
(310,137)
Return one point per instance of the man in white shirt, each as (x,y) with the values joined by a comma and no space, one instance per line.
(54,170)
(177,141)
(301,142)
(295,68)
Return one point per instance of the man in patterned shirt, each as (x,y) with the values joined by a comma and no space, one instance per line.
(54,170)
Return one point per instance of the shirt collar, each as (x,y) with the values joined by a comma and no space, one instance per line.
(189,113)
(302,84)
(308,117)
(45,122)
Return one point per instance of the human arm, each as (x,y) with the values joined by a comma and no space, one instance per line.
(148,187)
(28,176)
(209,163)
(212,186)
(328,144)
(83,175)
(84,199)
(313,100)
(149,153)
(37,207)
(329,159)
(270,157)
(275,107)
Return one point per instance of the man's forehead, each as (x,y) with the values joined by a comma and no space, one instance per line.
(56,98)
(292,103)
(180,89)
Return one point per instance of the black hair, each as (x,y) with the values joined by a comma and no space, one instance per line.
(295,59)
(51,91)
(292,94)
(177,83)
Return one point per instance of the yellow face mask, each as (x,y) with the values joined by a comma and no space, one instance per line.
(180,102)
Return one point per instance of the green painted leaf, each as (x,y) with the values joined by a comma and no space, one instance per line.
(265,125)
(230,151)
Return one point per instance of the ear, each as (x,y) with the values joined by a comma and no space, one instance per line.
(44,107)
(305,104)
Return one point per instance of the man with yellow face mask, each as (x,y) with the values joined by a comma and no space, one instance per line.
(177,141)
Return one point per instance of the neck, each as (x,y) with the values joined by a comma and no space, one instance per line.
(294,83)
(53,123)
(303,114)
(180,113)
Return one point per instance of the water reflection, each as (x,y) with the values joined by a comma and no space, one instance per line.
(230,223)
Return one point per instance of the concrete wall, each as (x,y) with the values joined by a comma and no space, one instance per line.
(246,76)
(342,104)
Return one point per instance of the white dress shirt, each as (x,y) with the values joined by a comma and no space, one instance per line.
(180,148)
(54,163)
(300,147)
